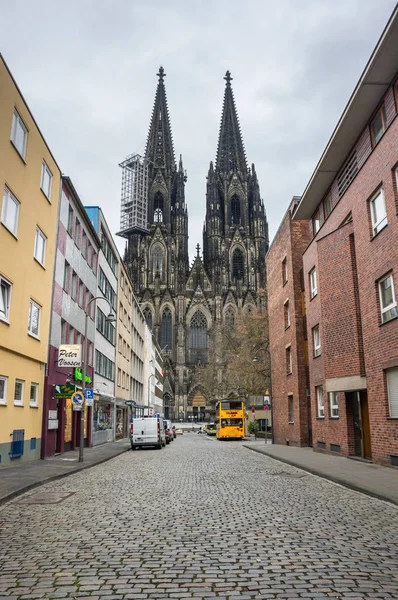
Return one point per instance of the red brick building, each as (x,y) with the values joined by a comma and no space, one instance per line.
(350,275)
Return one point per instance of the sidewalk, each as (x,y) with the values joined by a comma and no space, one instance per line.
(374,480)
(21,478)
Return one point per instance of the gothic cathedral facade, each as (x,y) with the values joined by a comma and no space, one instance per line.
(182,302)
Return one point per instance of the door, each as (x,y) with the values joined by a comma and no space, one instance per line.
(360,422)
(366,445)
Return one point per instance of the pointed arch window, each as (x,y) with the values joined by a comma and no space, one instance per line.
(235,210)
(158,208)
(166,329)
(229,317)
(157,262)
(237,265)
(198,331)
(148,317)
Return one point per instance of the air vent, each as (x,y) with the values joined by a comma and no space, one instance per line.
(335,448)
(394,460)
(321,445)
(347,173)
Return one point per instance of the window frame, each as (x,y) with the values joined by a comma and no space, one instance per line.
(334,405)
(21,401)
(289,360)
(389,394)
(316,218)
(327,202)
(45,169)
(35,403)
(34,304)
(384,310)
(40,233)
(3,399)
(317,348)
(17,120)
(379,225)
(78,233)
(313,283)
(290,409)
(5,282)
(382,112)
(320,407)
(286,313)
(285,273)
(8,196)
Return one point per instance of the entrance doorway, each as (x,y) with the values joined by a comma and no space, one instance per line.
(358,414)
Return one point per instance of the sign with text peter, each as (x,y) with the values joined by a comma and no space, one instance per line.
(64,390)
(70,355)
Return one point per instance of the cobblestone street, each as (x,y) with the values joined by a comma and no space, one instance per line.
(199,519)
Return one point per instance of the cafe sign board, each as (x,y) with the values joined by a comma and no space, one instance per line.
(70,355)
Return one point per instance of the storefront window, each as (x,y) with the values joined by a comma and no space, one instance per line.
(103,416)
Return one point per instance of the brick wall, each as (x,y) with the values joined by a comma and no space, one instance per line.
(289,243)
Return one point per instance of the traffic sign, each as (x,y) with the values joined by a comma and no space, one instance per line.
(89,393)
(77,398)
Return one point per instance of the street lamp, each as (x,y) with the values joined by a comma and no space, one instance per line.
(110,318)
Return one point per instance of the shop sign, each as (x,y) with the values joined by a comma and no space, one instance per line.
(79,376)
(65,390)
(70,355)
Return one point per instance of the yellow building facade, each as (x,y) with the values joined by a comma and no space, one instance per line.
(29,199)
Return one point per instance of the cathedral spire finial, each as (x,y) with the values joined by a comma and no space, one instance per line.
(198,250)
(161,74)
(228,77)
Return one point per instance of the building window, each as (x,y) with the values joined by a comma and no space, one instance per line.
(284,271)
(71,335)
(40,246)
(237,265)
(19,134)
(166,329)
(334,404)
(289,364)
(327,205)
(286,314)
(108,252)
(77,233)
(313,284)
(119,377)
(229,317)
(235,210)
(198,331)
(107,289)
(392,389)
(18,392)
(320,401)
(158,208)
(10,211)
(3,389)
(5,298)
(84,245)
(291,408)
(378,212)
(316,222)
(46,180)
(63,331)
(388,304)
(106,328)
(157,262)
(378,125)
(104,366)
(148,317)
(70,220)
(66,277)
(34,319)
(34,394)
(316,338)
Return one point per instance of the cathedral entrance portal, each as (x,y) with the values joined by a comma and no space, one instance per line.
(197,412)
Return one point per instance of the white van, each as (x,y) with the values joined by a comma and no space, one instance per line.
(147,431)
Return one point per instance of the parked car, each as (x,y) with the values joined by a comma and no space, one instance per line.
(147,431)
(168,431)
(174,431)
(179,432)
(211,429)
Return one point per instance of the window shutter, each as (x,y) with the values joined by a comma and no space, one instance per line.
(392,386)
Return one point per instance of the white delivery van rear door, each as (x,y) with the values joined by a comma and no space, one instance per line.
(145,432)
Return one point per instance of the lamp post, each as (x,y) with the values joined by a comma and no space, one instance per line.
(110,318)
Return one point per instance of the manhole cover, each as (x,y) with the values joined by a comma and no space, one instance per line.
(289,475)
(45,498)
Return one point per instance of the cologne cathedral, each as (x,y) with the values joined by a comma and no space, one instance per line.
(183,301)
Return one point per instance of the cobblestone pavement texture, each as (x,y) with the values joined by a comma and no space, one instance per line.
(198,519)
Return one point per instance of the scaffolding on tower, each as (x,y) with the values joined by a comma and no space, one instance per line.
(134,200)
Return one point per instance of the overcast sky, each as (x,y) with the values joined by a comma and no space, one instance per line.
(87,69)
